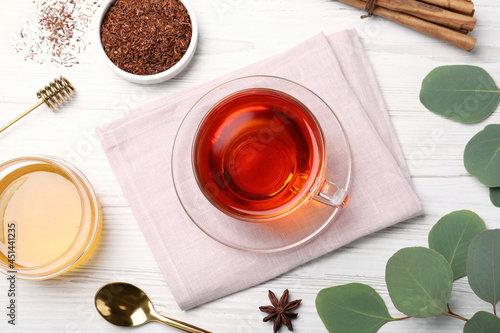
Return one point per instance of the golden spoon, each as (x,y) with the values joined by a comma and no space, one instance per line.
(124,304)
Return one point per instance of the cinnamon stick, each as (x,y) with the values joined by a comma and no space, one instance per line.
(444,34)
(430,13)
(459,6)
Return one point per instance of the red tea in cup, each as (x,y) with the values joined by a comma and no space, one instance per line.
(258,154)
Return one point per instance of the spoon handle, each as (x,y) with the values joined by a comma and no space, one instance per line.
(185,327)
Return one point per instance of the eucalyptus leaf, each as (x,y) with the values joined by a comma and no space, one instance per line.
(466,94)
(352,308)
(483,322)
(483,266)
(452,235)
(495,196)
(419,281)
(482,156)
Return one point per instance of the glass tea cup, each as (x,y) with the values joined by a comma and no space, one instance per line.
(259,153)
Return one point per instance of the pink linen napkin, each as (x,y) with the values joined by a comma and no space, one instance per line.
(199,269)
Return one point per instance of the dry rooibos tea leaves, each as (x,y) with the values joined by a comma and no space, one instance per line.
(58,31)
(146,37)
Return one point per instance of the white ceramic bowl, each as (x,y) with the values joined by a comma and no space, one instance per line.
(154,78)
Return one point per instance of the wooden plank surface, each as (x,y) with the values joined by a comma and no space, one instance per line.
(235,33)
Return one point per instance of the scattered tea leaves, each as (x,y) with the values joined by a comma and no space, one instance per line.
(466,94)
(352,308)
(483,322)
(495,196)
(58,32)
(419,281)
(483,266)
(452,235)
(482,156)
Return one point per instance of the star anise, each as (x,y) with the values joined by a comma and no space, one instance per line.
(280,311)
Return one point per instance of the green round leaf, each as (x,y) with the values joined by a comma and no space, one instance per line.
(352,308)
(482,156)
(495,196)
(483,322)
(483,266)
(419,282)
(466,94)
(452,235)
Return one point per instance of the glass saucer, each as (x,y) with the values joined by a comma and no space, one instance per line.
(281,234)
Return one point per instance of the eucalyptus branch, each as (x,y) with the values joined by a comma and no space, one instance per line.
(452,315)
(418,273)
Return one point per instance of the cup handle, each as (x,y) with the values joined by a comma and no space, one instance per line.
(331,194)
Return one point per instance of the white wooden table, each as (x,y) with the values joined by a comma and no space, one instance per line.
(235,33)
